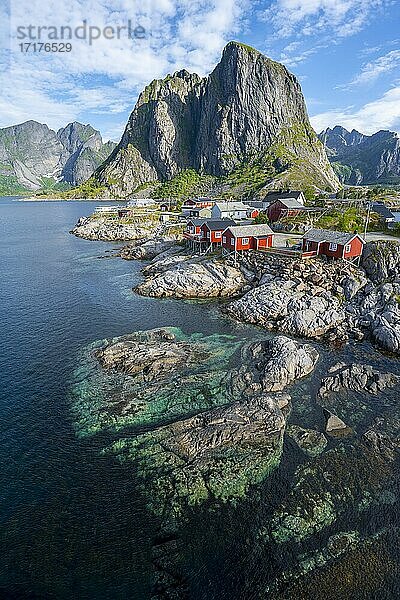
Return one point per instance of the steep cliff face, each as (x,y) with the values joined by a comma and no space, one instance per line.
(250,109)
(359,158)
(33,156)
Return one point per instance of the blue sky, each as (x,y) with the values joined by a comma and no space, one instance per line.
(346,54)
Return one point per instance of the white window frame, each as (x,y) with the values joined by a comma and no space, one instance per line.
(232,241)
(347,248)
(224,239)
(333,247)
(245,241)
(218,234)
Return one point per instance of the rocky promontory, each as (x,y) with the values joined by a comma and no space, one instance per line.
(101,228)
(198,277)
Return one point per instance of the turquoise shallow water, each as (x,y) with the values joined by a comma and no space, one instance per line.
(74,522)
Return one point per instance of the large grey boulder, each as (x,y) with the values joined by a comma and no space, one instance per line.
(284,305)
(196,278)
(286,362)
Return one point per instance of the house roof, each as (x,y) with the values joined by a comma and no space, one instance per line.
(196,221)
(326,235)
(250,230)
(382,210)
(228,206)
(255,203)
(218,224)
(291,203)
(272,196)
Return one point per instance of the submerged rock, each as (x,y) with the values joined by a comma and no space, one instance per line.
(149,377)
(341,479)
(349,566)
(349,395)
(215,454)
(312,442)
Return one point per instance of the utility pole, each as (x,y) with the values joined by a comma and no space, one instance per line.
(367,220)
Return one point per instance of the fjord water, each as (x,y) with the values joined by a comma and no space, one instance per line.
(73,524)
(73,521)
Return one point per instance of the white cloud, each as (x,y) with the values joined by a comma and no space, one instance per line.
(383,113)
(108,75)
(316,17)
(373,69)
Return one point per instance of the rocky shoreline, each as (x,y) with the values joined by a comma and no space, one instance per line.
(222,415)
(333,301)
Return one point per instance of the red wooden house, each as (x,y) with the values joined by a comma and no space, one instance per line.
(252,213)
(211,231)
(335,244)
(281,208)
(193,226)
(247,237)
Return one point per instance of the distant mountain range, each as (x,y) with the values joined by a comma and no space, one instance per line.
(34,157)
(363,159)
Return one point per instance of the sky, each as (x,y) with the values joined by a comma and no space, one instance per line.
(345,53)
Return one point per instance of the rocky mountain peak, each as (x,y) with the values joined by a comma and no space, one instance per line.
(362,159)
(248,106)
(33,156)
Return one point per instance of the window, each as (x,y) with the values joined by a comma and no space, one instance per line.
(218,234)
(245,241)
(347,248)
(332,247)
(224,239)
(232,241)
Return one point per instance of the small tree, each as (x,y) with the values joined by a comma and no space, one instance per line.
(261,219)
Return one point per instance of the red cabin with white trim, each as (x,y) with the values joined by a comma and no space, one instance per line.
(211,231)
(247,237)
(335,244)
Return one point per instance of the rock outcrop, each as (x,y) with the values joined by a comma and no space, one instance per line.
(216,454)
(150,355)
(248,108)
(103,229)
(381,261)
(192,278)
(286,306)
(358,378)
(282,361)
(33,156)
(151,248)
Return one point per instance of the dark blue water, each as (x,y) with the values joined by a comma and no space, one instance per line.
(73,524)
